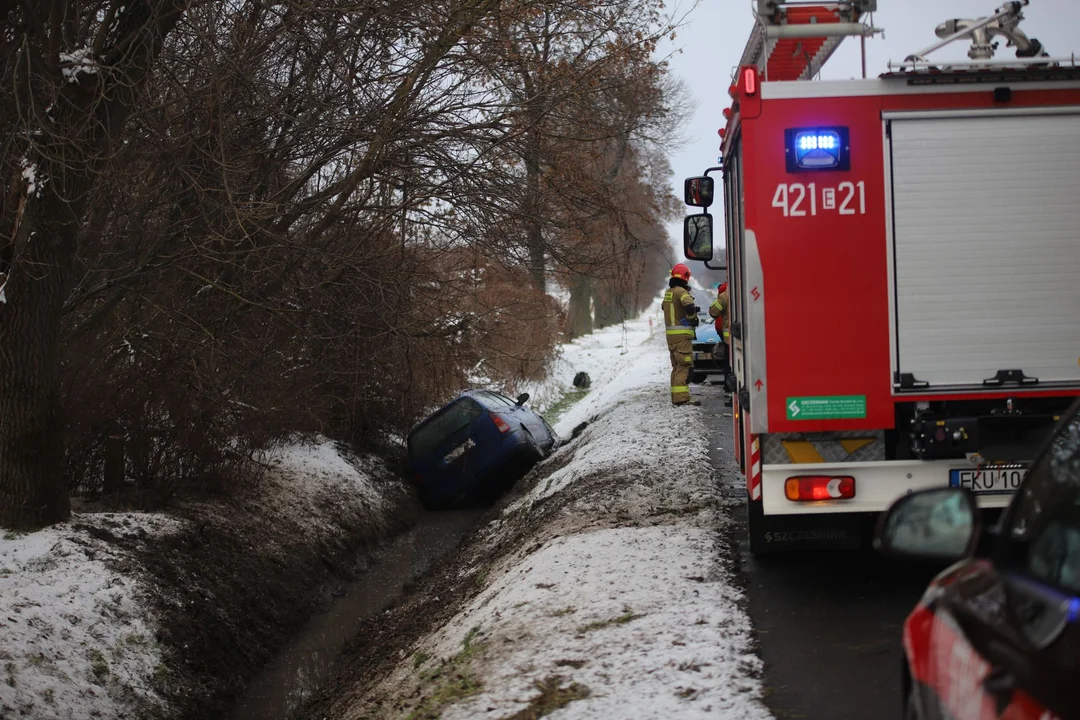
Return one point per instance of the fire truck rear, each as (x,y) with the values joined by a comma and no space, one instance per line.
(903,255)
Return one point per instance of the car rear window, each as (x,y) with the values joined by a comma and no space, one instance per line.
(437,428)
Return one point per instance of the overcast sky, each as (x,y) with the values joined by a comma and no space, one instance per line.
(711,43)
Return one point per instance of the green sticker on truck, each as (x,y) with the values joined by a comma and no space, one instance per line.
(826,407)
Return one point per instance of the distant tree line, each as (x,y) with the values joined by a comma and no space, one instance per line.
(227,221)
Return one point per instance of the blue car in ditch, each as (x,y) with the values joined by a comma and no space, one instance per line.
(475,448)
(707,361)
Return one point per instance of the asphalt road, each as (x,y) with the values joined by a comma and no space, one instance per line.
(828,622)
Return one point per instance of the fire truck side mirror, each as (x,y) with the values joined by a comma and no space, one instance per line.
(697,237)
(698,191)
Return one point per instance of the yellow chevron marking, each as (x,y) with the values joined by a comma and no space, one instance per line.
(802,451)
(853,445)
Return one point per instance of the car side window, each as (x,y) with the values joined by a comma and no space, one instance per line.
(1046,516)
(1054,556)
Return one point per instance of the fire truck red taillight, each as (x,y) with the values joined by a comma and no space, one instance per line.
(750,80)
(819,487)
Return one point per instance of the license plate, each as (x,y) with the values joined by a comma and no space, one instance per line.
(459,451)
(988,481)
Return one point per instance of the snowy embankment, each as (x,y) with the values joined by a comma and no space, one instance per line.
(117,615)
(602,588)
(77,637)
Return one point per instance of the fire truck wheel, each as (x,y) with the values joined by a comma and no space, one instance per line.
(755,526)
(911,705)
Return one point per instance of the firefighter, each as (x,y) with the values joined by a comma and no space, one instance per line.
(719,311)
(680,319)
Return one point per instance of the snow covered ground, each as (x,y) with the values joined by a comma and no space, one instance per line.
(78,633)
(77,637)
(602,355)
(607,593)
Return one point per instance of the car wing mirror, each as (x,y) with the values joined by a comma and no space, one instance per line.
(522,399)
(698,237)
(698,191)
(934,524)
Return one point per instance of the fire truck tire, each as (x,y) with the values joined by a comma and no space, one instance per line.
(755,526)
(911,704)
(742,446)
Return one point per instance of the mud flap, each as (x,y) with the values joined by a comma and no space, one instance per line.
(786,533)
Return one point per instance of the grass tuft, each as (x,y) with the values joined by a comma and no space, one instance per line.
(564,403)
(551,698)
(626,617)
(450,681)
(98,666)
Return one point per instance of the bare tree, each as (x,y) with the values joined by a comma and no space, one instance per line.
(320,215)
(72,75)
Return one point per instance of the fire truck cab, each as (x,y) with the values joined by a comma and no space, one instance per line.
(903,258)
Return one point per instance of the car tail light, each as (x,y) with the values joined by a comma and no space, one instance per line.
(500,423)
(819,487)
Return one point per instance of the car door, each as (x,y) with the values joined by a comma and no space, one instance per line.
(1040,561)
(1004,639)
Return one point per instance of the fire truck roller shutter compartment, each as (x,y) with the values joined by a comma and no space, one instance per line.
(986,243)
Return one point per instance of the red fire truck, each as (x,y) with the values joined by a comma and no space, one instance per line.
(903,255)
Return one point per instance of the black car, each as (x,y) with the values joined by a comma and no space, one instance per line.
(997,634)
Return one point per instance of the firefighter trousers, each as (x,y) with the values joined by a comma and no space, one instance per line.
(681,349)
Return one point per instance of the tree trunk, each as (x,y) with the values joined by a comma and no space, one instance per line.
(71,146)
(32,491)
(605,311)
(579,315)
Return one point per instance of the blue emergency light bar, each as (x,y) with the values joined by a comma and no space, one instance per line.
(809,149)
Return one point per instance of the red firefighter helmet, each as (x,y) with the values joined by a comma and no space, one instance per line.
(721,288)
(681,271)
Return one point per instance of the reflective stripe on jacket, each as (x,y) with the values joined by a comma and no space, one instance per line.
(720,310)
(678,308)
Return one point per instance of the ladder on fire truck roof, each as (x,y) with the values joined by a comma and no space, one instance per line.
(792,39)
